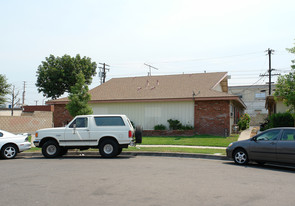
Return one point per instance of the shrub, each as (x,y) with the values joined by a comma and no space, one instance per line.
(174,124)
(187,127)
(244,122)
(159,127)
(281,120)
(278,120)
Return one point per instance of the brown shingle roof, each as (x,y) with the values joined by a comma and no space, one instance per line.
(159,87)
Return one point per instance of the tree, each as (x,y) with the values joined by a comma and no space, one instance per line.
(4,88)
(79,98)
(14,99)
(285,88)
(57,75)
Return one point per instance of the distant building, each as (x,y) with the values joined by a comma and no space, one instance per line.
(254,97)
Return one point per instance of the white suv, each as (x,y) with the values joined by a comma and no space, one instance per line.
(108,133)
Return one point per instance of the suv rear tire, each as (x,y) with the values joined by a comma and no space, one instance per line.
(108,148)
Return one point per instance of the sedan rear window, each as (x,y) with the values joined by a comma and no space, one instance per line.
(109,121)
(289,135)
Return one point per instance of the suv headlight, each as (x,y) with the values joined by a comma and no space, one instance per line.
(230,144)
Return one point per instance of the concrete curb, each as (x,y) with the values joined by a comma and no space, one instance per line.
(157,154)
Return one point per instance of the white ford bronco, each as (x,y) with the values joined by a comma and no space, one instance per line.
(108,133)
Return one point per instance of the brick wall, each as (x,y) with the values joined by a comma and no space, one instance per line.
(38,108)
(212,117)
(26,124)
(61,115)
(151,133)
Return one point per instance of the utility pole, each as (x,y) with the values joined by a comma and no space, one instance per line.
(269,53)
(150,66)
(102,73)
(24,92)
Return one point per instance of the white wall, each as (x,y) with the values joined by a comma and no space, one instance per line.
(281,107)
(149,114)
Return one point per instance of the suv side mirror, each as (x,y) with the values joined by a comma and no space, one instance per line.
(74,128)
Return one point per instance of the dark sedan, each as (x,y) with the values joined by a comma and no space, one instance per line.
(273,145)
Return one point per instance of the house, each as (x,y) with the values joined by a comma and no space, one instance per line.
(200,100)
(275,105)
(254,97)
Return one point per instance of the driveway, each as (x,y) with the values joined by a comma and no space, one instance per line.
(131,180)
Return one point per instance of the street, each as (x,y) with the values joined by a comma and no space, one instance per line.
(135,180)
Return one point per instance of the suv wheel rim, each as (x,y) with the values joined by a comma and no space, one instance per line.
(51,149)
(9,152)
(108,148)
(240,157)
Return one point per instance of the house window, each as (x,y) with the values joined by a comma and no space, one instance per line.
(260,95)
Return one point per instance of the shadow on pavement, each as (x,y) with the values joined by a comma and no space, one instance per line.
(267,166)
(79,157)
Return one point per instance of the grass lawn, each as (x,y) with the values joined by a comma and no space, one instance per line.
(197,140)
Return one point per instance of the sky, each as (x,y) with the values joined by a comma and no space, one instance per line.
(174,36)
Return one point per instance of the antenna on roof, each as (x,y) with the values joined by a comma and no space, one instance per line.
(150,66)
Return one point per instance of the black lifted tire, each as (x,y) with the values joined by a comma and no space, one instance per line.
(9,151)
(241,157)
(51,149)
(109,148)
(119,151)
(63,151)
(138,134)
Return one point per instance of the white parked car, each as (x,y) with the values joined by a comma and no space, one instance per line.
(11,144)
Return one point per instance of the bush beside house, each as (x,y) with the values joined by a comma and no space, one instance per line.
(285,119)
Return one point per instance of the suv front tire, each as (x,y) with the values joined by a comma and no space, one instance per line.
(51,149)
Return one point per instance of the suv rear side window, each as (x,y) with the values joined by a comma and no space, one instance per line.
(109,121)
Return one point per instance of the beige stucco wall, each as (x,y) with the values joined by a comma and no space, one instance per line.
(149,114)
(281,107)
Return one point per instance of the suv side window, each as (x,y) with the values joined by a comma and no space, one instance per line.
(270,135)
(80,122)
(109,121)
(288,135)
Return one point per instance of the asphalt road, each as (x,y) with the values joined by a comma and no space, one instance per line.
(134,180)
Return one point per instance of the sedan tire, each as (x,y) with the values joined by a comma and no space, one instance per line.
(240,157)
(9,151)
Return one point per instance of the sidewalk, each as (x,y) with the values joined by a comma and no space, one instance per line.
(246,134)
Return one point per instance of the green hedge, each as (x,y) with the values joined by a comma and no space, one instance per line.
(278,120)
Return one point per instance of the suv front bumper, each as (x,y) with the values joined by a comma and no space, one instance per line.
(36,143)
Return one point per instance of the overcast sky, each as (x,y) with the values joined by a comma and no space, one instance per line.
(175,36)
